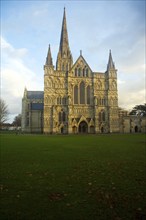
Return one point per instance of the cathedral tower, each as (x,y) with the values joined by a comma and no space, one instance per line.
(112,96)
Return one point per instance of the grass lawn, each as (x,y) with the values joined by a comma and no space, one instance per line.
(93,177)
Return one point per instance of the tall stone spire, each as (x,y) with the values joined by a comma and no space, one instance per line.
(49,57)
(64,44)
(111,64)
(64,58)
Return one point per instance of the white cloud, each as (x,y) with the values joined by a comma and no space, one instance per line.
(129,99)
(132,92)
(15,75)
(9,51)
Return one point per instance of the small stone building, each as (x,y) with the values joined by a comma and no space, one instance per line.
(32,111)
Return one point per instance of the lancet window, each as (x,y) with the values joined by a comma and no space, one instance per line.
(88,94)
(82,93)
(79,72)
(76,94)
(61,101)
(87,72)
(101,116)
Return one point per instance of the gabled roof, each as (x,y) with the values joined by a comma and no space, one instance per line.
(81,57)
(35,94)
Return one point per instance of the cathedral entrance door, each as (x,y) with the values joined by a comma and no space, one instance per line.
(74,130)
(83,127)
(62,130)
(136,129)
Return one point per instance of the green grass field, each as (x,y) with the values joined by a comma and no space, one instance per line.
(94,177)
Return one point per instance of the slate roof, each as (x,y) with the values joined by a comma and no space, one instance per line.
(37,106)
(35,94)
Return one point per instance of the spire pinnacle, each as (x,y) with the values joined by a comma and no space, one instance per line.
(49,57)
(25,92)
(111,64)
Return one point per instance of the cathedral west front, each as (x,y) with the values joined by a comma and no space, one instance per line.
(75,99)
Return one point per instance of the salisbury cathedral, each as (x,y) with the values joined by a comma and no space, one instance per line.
(75,99)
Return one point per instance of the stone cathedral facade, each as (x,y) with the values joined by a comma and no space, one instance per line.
(75,99)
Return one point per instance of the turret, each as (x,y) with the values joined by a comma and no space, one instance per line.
(111,65)
(49,61)
(111,70)
(25,93)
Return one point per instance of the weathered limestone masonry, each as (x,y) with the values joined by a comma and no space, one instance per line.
(76,99)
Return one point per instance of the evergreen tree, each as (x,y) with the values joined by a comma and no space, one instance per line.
(139,110)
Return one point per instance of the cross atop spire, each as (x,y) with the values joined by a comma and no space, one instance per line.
(111,64)
(49,57)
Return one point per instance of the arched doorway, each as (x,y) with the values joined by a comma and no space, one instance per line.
(136,129)
(83,127)
(62,130)
(102,129)
(74,129)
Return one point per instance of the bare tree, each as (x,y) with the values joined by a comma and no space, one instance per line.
(17,120)
(3,111)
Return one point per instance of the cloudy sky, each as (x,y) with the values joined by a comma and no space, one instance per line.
(95,27)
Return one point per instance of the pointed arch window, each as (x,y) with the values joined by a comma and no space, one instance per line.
(83,72)
(59,101)
(63,116)
(76,71)
(79,72)
(63,100)
(87,72)
(60,117)
(88,94)
(76,94)
(100,116)
(82,93)
(103,116)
